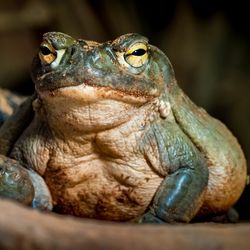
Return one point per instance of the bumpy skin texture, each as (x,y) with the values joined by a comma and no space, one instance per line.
(115,138)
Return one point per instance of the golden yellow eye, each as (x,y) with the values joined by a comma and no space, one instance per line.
(137,55)
(47,53)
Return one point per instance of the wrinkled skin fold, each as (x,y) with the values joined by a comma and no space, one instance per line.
(109,135)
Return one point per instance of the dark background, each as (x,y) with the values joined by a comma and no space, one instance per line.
(206,41)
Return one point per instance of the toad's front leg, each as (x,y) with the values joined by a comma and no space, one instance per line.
(23,185)
(179,197)
(182,191)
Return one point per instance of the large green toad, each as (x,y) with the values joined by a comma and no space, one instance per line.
(114,137)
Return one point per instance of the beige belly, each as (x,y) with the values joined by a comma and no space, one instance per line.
(122,190)
(101,189)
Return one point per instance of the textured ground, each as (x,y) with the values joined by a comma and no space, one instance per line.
(25,228)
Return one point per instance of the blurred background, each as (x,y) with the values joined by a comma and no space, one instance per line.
(208,43)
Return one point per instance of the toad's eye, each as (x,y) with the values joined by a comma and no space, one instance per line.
(137,55)
(139,52)
(45,51)
(49,55)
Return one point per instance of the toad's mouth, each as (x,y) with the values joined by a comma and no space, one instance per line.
(91,93)
(108,85)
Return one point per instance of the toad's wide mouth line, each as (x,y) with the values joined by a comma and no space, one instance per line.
(94,92)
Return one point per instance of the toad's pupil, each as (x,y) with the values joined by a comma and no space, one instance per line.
(45,51)
(138,52)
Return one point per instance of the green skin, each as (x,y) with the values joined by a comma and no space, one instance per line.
(181,144)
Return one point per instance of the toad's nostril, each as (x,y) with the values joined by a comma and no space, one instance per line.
(111,52)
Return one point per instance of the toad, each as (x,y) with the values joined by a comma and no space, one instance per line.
(110,135)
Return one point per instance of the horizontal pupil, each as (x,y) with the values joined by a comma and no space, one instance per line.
(45,51)
(138,52)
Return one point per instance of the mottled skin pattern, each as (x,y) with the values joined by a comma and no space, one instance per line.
(114,137)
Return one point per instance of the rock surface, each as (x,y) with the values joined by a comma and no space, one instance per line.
(25,228)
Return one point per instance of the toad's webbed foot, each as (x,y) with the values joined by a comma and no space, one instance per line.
(149,217)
